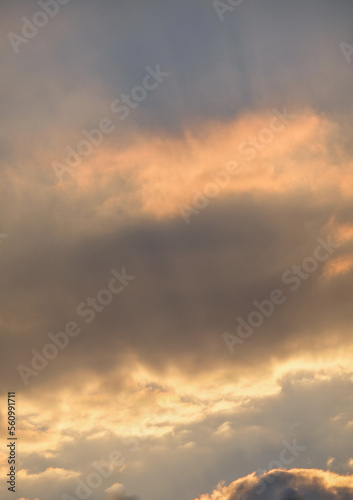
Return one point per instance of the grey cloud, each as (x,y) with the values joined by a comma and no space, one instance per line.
(294,485)
(191,284)
(260,57)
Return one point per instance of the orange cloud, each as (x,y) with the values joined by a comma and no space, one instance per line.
(154,175)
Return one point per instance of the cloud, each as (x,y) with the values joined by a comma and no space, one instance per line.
(296,484)
(117,492)
(309,408)
(120,207)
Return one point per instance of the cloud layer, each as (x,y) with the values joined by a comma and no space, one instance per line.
(214,189)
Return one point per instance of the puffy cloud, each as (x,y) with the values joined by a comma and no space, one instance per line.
(118,492)
(295,484)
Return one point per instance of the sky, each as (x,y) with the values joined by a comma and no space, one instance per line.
(176,249)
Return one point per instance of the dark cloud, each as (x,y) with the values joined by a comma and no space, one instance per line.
(192,282)
(296,484)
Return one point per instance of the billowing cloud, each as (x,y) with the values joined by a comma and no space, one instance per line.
(295,484)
